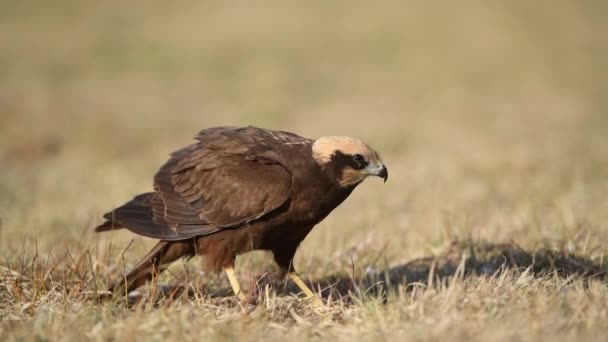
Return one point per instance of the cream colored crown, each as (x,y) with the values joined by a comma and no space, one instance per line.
(324,148)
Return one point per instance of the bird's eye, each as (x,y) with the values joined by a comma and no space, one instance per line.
(359,159)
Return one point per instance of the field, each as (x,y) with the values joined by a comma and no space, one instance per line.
(491,117)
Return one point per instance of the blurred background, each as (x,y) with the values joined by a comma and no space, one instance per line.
(491,116)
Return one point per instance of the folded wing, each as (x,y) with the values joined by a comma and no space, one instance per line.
(230,177)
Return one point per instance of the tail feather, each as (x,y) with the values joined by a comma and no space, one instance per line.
(139,208)
(108,225)
(137,216)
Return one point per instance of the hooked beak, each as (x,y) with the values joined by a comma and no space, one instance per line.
(380,171)
(383,173)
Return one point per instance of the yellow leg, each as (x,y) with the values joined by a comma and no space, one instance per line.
(307,291)
(234,283)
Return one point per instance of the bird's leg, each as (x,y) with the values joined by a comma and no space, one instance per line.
(157,259)
(234,283)
(284,259)
(307,291)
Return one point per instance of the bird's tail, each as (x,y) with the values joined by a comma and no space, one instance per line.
(107,226)
(138,216)
(138,210)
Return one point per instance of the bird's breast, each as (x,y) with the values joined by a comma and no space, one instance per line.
(312,204)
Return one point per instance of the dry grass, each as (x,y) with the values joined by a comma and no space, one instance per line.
(491,117)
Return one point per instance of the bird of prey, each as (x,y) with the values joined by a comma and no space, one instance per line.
(239,189)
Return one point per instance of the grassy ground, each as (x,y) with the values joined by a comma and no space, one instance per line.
(492,118)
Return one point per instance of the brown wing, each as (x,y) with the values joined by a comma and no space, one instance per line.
(231,176)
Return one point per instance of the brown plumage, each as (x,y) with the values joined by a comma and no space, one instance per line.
(239,189)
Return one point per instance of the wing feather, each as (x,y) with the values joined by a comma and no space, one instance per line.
(229,177)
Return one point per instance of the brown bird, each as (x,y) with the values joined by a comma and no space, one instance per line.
(239,189)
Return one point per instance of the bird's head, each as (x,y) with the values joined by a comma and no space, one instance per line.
(348,161)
